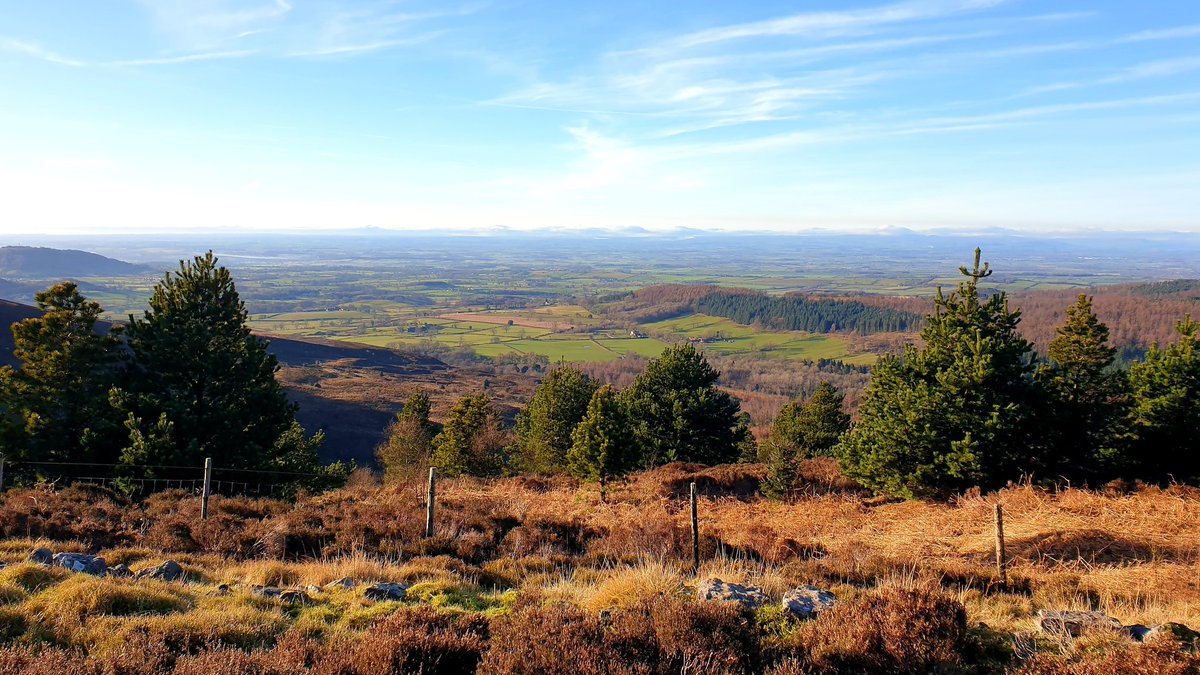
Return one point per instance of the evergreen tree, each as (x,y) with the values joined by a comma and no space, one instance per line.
(679,415)
(1165,419)
(297,457)
(1086,398)
(603,447)
(544,426)
(406,453)
(802,431)
(955,413)
(472,440)
(193,359)
(57,401)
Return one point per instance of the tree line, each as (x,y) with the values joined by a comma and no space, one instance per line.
(796,312)
(973,406)
(672,412)
(184,381)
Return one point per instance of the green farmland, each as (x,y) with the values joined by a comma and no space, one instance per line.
(557,332)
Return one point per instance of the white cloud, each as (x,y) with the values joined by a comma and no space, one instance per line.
(33,50)
(1164,34)
(824,24)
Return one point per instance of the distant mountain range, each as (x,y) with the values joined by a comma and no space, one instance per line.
(32,262)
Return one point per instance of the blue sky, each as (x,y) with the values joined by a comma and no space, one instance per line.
(185,115)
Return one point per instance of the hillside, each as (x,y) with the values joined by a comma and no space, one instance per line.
(35,262)
(10,313)
(353,425)
(523,572)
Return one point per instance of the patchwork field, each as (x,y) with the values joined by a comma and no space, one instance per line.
(559,333)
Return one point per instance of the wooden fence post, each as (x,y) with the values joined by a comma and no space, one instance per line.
(430,498)
(1001,554)
(207,488)
(695,533)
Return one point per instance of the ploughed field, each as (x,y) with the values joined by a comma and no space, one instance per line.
(529,575)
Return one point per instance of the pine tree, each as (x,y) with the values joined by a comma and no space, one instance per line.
(406,453)
(678,413)
(193,359)
(802,431)
(544,426)
(1086,398)
(1165,420)
(954,414)
(472,440)
(603,446)
(58,399)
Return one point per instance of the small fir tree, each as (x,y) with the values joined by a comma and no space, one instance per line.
(58,399)
(603,447)
(406,453)
(1165,419)
(678,413)
(193,359)
(955,413)
(472,440)
(544,426)
(1086,398)
(802,431)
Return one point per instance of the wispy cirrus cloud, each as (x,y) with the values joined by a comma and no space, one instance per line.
(832,23)
(186,58)
(36,51)
(1173,33)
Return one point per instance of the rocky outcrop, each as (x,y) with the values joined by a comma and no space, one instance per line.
(382,592)
(81,562)
(805,602)
(168,571)
(750,597)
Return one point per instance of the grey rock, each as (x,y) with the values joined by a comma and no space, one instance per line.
(224,589)
(266,591)
(43,556)
(750,597)
(168,571)
(1075,623)
(345,583)
(382,592)
(121,570)
(295,597)
(804,602)
(81,562)
(1188,637)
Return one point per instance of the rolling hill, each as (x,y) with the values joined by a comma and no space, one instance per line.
(34,262)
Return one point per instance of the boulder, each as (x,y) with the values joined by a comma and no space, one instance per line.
(804,602)
(295,597)
(1074,623)
(750,597)
(384,591)
(81,562)
(344,583)
(224,589)
(1186,636)
(121,570)
(43,556)
(168,571)
(266,591)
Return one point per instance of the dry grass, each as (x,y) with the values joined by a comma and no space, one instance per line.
(1135,556)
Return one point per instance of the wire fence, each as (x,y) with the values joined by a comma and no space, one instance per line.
(146,479)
